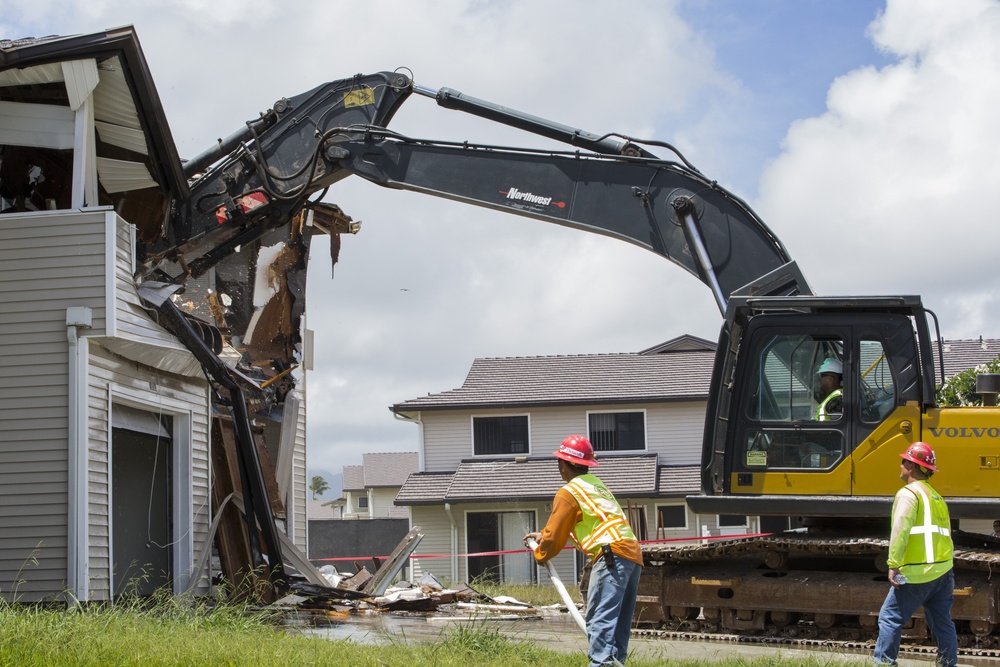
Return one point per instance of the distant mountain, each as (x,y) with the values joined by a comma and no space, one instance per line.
(335,480)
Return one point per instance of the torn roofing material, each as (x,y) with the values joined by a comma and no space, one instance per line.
(123,44)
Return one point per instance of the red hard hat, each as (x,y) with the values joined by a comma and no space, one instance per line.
(577,450)
(921,454)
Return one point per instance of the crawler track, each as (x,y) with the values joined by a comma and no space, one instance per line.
(825,645)
(807,590)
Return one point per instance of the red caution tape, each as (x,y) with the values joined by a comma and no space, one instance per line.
(521,551)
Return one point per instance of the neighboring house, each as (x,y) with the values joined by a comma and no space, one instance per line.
(960,355)
(488,473)
(323,510)
(369,492)
(370,489)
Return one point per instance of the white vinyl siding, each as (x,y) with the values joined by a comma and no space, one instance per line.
(436,527)
(380,500)
(186,399)
(48,261)
(298,495)
(673,431)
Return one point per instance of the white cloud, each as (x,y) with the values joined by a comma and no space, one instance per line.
(893,189)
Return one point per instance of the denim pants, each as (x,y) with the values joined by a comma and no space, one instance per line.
(610,605)
(936,597)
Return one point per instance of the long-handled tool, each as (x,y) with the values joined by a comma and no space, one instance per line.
(564,594)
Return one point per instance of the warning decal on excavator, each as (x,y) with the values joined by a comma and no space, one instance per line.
(359,97)
(756,458)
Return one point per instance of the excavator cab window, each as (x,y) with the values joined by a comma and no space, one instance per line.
(878,390)
(791,404)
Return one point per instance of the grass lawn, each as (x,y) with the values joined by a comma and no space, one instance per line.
(172,632)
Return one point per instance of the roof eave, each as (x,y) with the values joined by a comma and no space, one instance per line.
(124,43)
(505,405)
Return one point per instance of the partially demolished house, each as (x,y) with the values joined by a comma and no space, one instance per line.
(149,398)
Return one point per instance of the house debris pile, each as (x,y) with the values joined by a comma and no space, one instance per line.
(315,605)
(339,595)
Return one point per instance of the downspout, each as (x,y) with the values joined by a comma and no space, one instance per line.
(77,317)
(454,542)
(420,424)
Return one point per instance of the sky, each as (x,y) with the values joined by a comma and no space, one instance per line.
(862,132)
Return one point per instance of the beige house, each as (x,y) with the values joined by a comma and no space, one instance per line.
(370,489)
(488,474)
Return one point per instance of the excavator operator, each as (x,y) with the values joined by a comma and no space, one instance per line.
(831,392)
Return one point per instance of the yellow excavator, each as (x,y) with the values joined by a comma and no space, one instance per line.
(770,450)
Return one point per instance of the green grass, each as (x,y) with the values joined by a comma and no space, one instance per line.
(172,632)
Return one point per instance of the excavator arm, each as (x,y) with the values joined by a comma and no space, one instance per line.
(260,177)
(662,206)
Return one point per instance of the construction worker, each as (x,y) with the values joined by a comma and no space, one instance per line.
(831,376)
(920,562)
(586,512)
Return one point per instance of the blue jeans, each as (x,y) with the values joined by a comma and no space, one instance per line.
(610,605)
(936,597)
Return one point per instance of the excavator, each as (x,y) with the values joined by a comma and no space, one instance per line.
(765,452)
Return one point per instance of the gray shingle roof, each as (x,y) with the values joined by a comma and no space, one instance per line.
(423,488)
(354,478)
(382,469)
(316,510)
(575,380)
(531,479)
(960,355)
(679,481)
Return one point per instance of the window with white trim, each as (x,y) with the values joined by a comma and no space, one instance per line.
(671,517)
(617,431)
(500,435)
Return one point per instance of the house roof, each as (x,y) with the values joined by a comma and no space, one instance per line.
(318,510)
(387,469)
(354,478)
(679,481)
(576,379)
(424,488)
(135,101)
(537,478)
(677,370)
(684,343)
(961,355)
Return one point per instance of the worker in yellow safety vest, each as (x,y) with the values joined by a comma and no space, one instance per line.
(920,561)
(831,393)
(586,512)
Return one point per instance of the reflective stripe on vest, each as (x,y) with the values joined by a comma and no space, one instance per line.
(603,520)
(821,413)
(927,528)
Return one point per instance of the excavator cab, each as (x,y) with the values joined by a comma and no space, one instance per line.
(814,394)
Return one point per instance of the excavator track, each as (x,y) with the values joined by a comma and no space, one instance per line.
(970,655)
(795,588)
